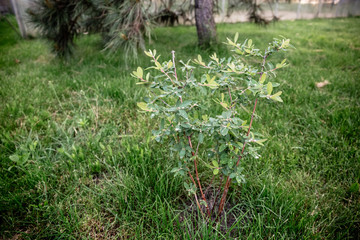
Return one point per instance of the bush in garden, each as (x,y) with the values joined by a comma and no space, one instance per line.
(202,115)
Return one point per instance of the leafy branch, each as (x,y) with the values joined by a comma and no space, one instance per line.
(188,114)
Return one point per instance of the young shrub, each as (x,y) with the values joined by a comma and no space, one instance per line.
(201,112)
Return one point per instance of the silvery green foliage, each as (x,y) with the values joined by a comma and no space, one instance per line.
(202,109)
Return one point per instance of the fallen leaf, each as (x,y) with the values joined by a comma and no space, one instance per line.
(322,84)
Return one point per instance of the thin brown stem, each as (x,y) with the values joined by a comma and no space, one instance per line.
(198,204)
(193,180)
(228,180)
(244,90)
(196,199)
(197,176)
(271,70)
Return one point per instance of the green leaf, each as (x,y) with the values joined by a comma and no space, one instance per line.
(181,172)
(222,147)
(276,97)
(249,43)
(236,37)
(185,125)
(201,138)
(215,163)
(276,94)
(158,65)
(175,169)
(224,131)
(185,104)
(183,114)
(14,158)
(182,153)
(148,53)
(226,114)
(260,142)
(232,175)
(263,78)
(209,79)
(240,179)
(269,88)
(211,82)
(143,106)
(162,124)
(216,171)
(102,146)
(238,51)
(20,159)
(285,44)
(134,74)
(139,72)
(230,42)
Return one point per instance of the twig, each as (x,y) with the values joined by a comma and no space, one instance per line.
(162,70)
(197,176)
(173,58)
(196,199)
(160,100)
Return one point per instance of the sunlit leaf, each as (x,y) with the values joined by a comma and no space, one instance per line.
(143,106)
(215,163)
(269,88)
(263,78)
(236,37)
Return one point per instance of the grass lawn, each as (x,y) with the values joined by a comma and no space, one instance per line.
(77,160)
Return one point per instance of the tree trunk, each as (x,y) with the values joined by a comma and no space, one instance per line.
(318,12)
(19,18)
(298,12)
(223,10)
(205,24)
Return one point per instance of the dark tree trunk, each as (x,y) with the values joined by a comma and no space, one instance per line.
(205,23)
